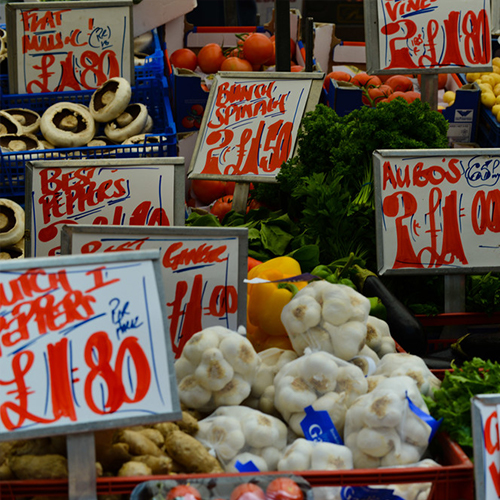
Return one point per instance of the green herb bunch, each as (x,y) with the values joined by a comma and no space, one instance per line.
(452,401)
(328,186)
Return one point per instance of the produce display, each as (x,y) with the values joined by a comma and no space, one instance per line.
(325,337)
(253,52)
(489,83)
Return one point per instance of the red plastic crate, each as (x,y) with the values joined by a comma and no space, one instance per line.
(453,480)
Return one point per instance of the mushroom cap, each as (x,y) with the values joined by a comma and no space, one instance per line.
(131,122)
(29,119)
(19,142)
(67,125)
(110,100)
(9,125)
(11,222)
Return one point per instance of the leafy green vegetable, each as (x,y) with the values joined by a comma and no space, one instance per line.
(270,234)
(328,186)
(452,401)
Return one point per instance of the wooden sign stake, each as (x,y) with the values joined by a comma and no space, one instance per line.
(240,197)
(81,466)
(454,285)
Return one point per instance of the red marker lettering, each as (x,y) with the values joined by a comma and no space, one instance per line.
(204,254)
(60,384)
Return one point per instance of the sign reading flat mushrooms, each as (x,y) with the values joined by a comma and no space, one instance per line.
(68,46)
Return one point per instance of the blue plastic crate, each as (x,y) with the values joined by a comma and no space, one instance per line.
(152,92)
(154,64)
(488,133)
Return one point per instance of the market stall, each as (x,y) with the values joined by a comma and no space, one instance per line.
(146,355)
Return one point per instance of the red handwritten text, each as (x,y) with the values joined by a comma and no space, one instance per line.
(204,254)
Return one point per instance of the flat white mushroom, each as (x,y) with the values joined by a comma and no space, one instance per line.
(9,125)
(130,122)
(110,100)
(19,142)
(67,125)
(11,222)
(29,119)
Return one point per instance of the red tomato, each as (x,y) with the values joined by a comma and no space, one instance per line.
(251,263)
(292,46)
(408,96)
(296,68)
(236,64)
(229,188)
(184,58)
(399,83)
(258,48)
(376,94)
(210,58)
(188,122)
(222,206)
(442,80)
(183,491)
(284,488)
(247,491)
(339,76)
(207,191)
(363,79)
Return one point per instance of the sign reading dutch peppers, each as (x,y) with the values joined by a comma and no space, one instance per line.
(437,210)
(83,345)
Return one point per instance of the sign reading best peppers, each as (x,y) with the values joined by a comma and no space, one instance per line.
(251,123)
(419,35)
(437,210)
(127,191)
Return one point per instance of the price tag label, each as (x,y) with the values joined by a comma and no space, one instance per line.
(83,345)
(68,47)
(408,36)
(437,210)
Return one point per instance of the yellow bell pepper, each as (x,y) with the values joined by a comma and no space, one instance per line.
(266,301)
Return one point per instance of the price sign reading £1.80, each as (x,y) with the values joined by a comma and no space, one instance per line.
(83,345)
(437,210)
(70,46)
(251,122)
(418,36)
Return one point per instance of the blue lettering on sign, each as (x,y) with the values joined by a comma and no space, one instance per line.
(318,426)
(367,493)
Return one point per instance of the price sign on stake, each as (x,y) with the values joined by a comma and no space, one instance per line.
(68,47)
(250,125)
(485,409)
(407,36)
(83,346)
(437,210)
(202,270)
(136,192)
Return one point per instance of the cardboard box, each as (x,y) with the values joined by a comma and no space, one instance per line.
(343,97)
(189,98)
(463,114)
(149,14)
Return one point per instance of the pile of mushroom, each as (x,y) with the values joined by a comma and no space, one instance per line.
(74,125)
